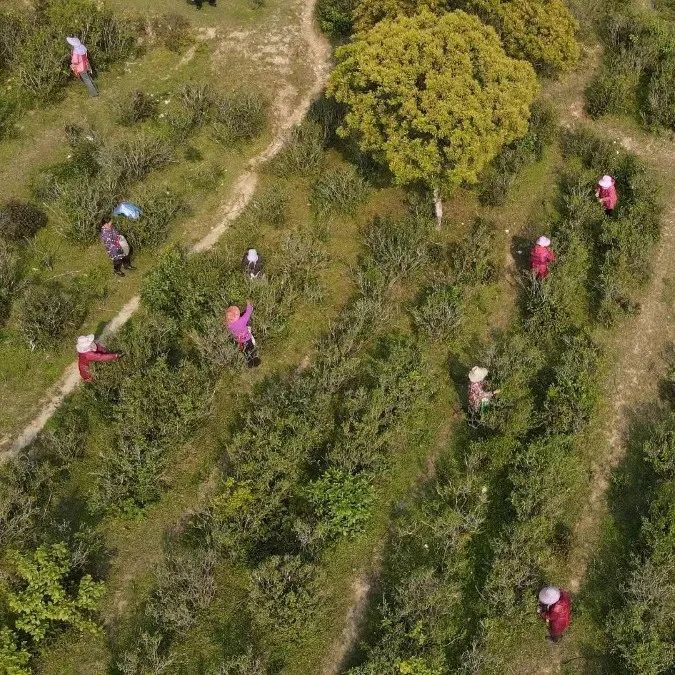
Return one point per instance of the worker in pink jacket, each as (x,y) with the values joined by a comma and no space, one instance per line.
(237,324)
(79,64)
(541,256)
(606,193)
(88,351)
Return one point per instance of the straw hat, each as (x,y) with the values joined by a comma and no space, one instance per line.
(232,314)
(606,182)
(73,41)
(549,595)
(80,50)
(543,241)
(477,374)
(85,343)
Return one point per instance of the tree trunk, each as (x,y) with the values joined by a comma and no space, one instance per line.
(438,205)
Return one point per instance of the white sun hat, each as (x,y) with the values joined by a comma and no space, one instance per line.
(85,343)
(477,374)
(252,255)
(81,50)
(549,595)
(73,41)
(543,241)
(606,182)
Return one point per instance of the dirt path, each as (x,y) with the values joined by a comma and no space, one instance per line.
(317,58)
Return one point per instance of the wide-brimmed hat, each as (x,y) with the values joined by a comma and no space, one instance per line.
(85,343)
(606,182)
(477,374)
(232,313)
(73,41)
(252,255)
(80,50)
(543,241)
(549,595)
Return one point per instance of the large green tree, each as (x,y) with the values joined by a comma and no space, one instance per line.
(434,98)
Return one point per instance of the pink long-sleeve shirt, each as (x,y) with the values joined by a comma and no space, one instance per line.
(239,328)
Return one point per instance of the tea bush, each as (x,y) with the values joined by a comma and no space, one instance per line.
(267,208)
(137,107)
(50,310)
(338,190)
(20,220)
(9,277)
(172,30)
(9,113)
(195,106)
(336,17)
(303,152)
(440,310)
(145,657)
(160,208)
(240,116)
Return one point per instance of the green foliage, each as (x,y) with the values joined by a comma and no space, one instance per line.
(136,107)
(335,17)
(9,277)
(50,310)
(303,152)
(440,310)
(338,190)
(172,30)
(240,116)
(341,502)
(267,208)
(160,208)
(367,13)
(285,591)
(612,90)
(659,449)
(9,113)
(399,106)
(13,658)
(20,220)
(46,597)
(539,31)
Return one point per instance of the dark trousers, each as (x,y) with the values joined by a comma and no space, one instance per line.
(199,3)
(251,354)
(119,263)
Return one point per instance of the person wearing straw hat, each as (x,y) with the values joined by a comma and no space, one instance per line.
(541,256)
(79,64)
(251,264)
(479,397)
(116,246)
(606,193)
(88,350)
(237,324)
(555,607)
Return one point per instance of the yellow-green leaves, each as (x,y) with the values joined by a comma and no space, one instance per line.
(434,98)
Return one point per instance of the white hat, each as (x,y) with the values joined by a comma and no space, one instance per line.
(477,374)
(81,50)
(543,241)
(85,343)
(73,41)
(606,182)
(252,255)
(549,595)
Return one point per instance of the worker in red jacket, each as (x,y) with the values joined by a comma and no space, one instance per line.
(606,193)
(541,257)
(89,350)
(555,607)
(79,64)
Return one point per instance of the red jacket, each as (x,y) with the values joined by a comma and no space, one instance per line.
(79,63)
(559,615)
(540,258)
(608,197)
(84,359)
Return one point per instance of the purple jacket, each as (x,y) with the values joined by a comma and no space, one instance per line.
(110,238)
(239,328)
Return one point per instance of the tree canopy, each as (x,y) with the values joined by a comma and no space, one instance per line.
(434,98)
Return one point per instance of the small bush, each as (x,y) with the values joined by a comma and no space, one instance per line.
(9,113)
(476,259)
(20,220)
(171,30)
(146,657)
(341,502)
(613,90)
(338,190)
(303,152)
(660,96)
(50,310)
(240,116)
(195,106)
(440,310)
(267,208)
(336,17)
(137,107)
(160,208)
(9,277)
(132,159)
(246,664)
(285,592)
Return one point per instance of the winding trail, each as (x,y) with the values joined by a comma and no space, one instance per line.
(317,56)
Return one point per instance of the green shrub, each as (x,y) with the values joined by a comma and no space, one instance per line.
(475,260)
(14,657)
(133,158)
(302,153)
(302,259)
(613,90)
(50,310)
(195,103)
(9,113)
(660,96)
(267,208)
(659,449)
(160,208)
(145,657)
(20,220)
(246,664)
(285,593)
(172,30)
(136,107)
(340,502)
(183,586)
(338,190)
(439,311)
(240,116)
(46,597)
(336,17)
(9,277)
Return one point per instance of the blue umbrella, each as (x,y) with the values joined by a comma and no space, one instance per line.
(128,210)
